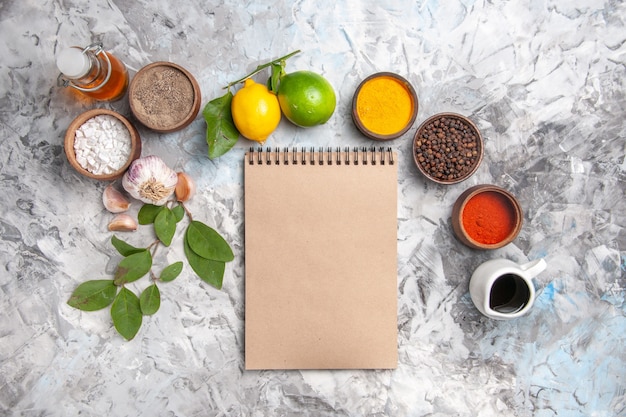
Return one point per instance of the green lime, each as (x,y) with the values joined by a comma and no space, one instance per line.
(306,98)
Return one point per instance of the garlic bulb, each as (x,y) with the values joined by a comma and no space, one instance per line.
(185,188)
(148,179)
(113,200)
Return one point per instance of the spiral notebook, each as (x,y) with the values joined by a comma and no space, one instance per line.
(320,258)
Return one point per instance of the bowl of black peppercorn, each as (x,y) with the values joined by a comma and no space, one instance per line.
(447,148)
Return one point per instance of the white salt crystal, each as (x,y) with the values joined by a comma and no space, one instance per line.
(102,144)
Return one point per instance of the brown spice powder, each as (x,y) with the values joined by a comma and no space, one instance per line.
(162,97)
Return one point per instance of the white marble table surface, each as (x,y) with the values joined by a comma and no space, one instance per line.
(544,81)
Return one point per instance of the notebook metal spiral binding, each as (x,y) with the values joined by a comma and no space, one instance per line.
(328,156)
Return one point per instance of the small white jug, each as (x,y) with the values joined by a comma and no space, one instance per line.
(502,289)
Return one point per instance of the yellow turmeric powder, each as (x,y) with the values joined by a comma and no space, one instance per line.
(384,105)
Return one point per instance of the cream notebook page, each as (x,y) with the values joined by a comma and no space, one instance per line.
(320,259)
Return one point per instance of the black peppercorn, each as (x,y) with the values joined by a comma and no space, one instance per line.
(447,148)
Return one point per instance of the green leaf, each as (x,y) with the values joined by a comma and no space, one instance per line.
(150,300)
(278,70)
(148,212)
(172,271)
(93,295)
(126,313)
(124,248)
(165,226)
(179,212)
(133,267)
(207,243)
(221,133)
(211,272)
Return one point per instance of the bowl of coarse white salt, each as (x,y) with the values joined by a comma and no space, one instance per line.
(101,144)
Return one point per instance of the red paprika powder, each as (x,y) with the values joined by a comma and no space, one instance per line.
(488,217)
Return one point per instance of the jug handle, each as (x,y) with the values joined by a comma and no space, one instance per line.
(533,268)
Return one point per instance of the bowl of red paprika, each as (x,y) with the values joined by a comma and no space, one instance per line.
(486,217)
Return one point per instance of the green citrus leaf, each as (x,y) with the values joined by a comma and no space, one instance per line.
(124,248)
(93,295)
(133,267)
(165,226)
(126,313)
(207,243)
(221,133)
(148,212)
(179,212)
(278,70)
(172,271)
(211,272)
(150,300)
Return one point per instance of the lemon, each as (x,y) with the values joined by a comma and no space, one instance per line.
(255,111)
(306,98)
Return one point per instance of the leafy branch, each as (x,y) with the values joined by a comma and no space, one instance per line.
(205,249)
(279,61)
(222,134)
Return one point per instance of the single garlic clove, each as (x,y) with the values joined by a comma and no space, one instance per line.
(114,201)
(185,187)
(123,223)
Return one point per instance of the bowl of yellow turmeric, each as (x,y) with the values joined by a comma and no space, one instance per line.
(384,106)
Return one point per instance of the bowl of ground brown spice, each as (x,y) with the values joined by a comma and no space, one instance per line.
(164,97)
(448,148)
(486,217)
(384,106)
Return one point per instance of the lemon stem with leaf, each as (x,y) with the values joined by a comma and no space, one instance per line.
(278,64)
(222,133)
